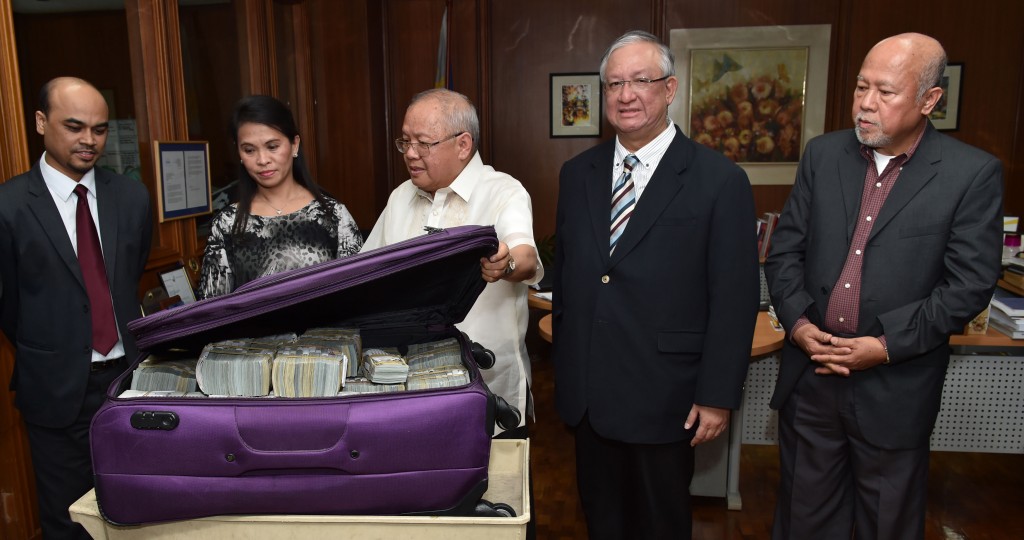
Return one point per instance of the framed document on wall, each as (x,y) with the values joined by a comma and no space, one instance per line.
(176,283)
(182,179)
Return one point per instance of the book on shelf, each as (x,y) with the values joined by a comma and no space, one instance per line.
(1008,330)
(1007,320)
(1008,302)
(1014,273)
(766,226)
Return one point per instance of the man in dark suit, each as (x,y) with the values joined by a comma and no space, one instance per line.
(889,242)
(68,329)
(652,325)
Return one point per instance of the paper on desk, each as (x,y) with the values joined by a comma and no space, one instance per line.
(546,295)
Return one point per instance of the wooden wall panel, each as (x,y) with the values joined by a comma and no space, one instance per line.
(45,45)
(530,40)
(213,83)
(17,485)
(413,30)
(348,87)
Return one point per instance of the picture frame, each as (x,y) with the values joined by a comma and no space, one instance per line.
(177,283)
(775,61)
(576,105)
(182,179)
(946,114)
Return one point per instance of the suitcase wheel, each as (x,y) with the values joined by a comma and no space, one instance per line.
(486,508)
(504,510)
(507,416)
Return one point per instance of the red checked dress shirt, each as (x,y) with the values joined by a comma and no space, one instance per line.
(843,312)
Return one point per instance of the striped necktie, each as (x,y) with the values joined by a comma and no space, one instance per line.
(623,199)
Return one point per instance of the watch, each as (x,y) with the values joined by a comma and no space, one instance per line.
(511,267)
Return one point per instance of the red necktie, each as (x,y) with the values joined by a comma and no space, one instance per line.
(90,258)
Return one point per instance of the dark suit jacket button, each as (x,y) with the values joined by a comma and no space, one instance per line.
(87,349)
(605,279)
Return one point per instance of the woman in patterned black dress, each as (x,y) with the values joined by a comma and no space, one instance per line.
(282,219)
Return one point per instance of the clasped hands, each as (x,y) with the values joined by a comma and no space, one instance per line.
(836,355)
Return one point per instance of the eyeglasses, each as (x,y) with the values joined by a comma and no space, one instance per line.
(422,148)
(639,85)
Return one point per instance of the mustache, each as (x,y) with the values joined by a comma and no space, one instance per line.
(860,118)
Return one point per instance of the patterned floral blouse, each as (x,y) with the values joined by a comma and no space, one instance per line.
(274,244)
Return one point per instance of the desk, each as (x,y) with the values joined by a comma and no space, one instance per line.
(544,327)
(982,409)
(535,301)
(766,339)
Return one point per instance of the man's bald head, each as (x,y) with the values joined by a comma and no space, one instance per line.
(918,52)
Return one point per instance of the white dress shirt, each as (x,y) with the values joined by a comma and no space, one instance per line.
(650,156)
(498,320)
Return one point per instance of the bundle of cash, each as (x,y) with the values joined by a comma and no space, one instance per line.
(362,385)
(159,394)
(308,371)
(230,370)
(434,355)
(384,367)
(154,374)
(346,340)
(437,378)
(273,342)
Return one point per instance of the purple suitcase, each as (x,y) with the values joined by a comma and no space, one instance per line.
(161,459)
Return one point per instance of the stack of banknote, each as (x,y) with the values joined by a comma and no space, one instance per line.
(156,374)
(362,385)
(384,367)
(345,340)
(234,368)
(308,371)
(160,394)
(444,377)
(434,355)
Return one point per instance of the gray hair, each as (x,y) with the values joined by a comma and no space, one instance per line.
(931,73)
(459,113)
(668,61)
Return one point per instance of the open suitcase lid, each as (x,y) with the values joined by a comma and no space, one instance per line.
(431,280)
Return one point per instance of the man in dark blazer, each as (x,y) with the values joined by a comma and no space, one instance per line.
(59,378)
(651,340)
(889,242)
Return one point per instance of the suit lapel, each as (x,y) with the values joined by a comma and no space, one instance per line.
(852,170)
(666,181)
(107,205)
(41,205)
(599,197)
(916,173)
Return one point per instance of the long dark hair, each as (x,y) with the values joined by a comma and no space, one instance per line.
(270,112)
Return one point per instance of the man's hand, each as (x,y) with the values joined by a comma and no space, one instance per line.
(853,354)
(525,256)
(493,268)
(816,342)
(713,422)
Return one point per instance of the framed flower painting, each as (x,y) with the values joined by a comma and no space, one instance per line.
(755,94)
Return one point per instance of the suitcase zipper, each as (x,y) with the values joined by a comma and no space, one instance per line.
(316,289)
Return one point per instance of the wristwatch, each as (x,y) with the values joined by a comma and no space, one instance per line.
(511,267)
